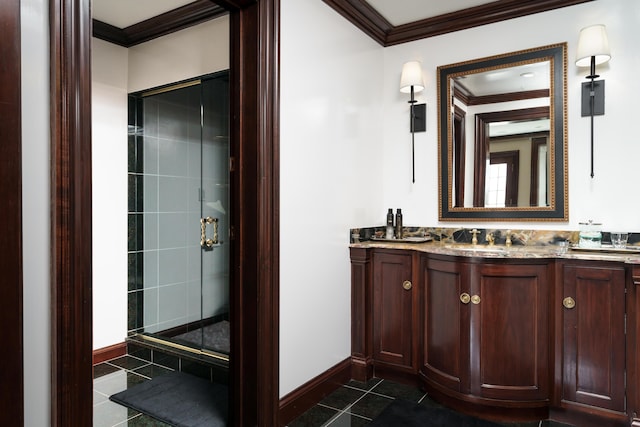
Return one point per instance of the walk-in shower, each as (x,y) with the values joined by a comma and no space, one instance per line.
(179,201)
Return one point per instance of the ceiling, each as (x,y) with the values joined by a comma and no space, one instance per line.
(399,12)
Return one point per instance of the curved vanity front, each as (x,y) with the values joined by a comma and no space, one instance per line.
(484,329)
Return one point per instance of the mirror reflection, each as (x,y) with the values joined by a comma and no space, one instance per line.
(502,136)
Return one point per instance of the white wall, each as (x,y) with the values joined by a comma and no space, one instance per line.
(346,151)
(34,23)
(109,175)
(604,198)
(330,179)
(192,52)
(116,71)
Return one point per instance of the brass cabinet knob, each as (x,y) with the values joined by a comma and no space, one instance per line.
(569,302)
(465,298)
(406,285)
(475,299)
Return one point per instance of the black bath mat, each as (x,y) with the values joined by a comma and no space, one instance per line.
(179,399)
(409,414)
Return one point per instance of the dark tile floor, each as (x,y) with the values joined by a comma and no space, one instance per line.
(115,376)
(354,404)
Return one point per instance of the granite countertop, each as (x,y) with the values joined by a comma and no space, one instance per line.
(631,255)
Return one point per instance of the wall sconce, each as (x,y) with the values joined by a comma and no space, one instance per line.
(593,49)
(412,82)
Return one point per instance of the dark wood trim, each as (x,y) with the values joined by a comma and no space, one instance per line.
(107,353)
(507,97)
(71,341)
(243,293)
(536,143)
(12,388)
(174,20)
(235,4)
(254,82)
(362,324)
(363,16)
(459,150)
(462,93)
(268,126)
(110,33)
(313,391)
(633,337)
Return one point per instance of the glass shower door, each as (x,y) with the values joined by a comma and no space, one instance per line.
(185,193)
(215,205)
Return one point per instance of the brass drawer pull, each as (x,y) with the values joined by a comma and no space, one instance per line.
(465,298)
(407,285)
(475,299)
(569,302)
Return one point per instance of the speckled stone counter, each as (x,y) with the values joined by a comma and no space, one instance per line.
(525,243)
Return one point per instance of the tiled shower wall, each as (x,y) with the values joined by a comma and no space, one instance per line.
(165,266)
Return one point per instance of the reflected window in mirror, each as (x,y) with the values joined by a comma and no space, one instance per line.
(502,137)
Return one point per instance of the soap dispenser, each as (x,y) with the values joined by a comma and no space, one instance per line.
(399,224)
(389,234)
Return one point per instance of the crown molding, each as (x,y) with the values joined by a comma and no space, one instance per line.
(365,17)
(166,23)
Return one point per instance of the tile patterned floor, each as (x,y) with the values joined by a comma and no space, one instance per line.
(117,375)
(354,404)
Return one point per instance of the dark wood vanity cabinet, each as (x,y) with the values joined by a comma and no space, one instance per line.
(487,330)
(395,310)
(590,337)
(446,324)
(385,314)
(504,338)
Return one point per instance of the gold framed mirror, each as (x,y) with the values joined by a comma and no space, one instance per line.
(502,137)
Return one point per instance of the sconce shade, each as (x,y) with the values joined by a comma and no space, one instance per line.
(411,76)
(593,41)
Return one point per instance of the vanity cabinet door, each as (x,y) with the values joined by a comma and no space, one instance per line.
(393,309)
(591,310)
(446,324)
(510,328)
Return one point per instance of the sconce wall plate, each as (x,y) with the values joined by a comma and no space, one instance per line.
(598,99)
(419,118)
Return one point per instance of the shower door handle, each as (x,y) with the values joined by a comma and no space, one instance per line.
(204,242)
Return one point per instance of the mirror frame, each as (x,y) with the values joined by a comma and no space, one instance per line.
(558,208)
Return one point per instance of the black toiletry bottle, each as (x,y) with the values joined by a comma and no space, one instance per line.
(399,224)
(389,231)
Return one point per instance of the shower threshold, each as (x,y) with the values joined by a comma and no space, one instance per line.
(167,346)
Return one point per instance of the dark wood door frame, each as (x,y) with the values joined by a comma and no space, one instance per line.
(12,384)
(254,79)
